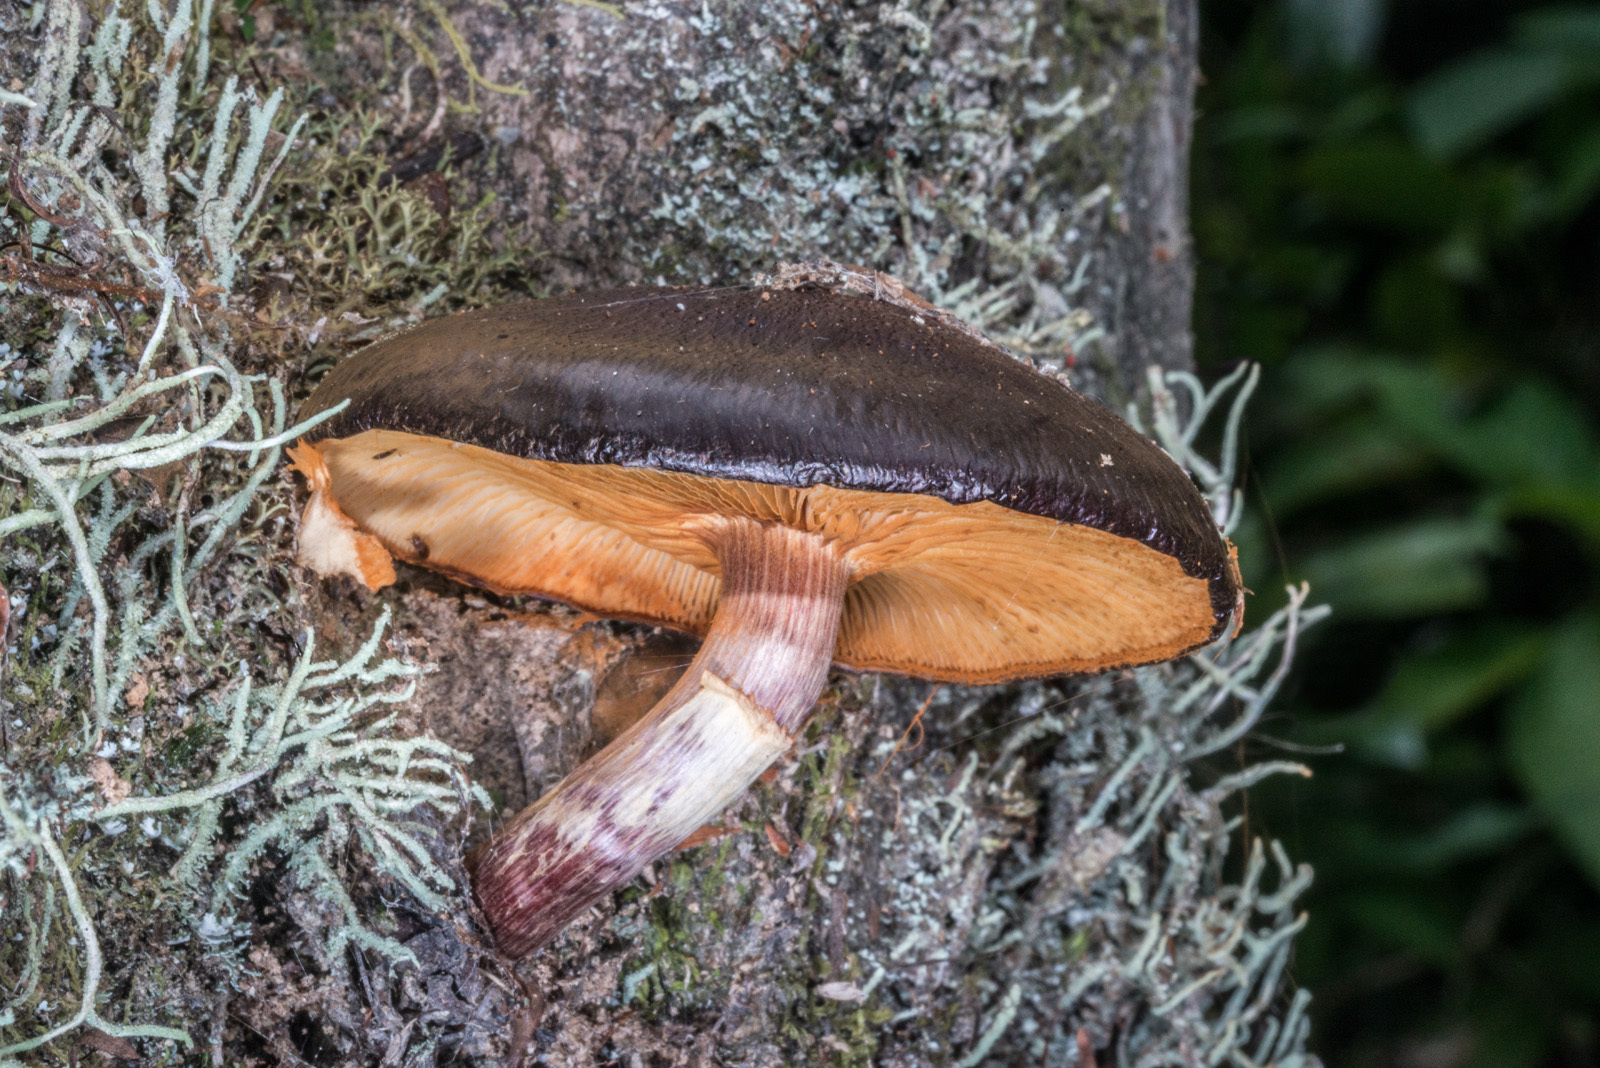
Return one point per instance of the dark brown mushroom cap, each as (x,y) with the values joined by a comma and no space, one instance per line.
(785,388)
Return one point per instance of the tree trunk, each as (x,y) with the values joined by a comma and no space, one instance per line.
(937,875)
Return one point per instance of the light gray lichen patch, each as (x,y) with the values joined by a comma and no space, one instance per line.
(729,138)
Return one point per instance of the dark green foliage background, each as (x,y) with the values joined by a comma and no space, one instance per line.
(1403,226)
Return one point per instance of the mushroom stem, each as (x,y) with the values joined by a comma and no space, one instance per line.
(734,711)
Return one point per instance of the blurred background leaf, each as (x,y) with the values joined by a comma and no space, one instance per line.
(1397,211)
(1468,102)
(1424,566)
(1554,739)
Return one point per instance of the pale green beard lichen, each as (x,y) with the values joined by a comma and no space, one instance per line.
(159,687)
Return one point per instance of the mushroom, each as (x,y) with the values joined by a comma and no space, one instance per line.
(801,475)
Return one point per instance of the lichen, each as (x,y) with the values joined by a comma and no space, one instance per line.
(1037,862)
(168,728)
(943,145)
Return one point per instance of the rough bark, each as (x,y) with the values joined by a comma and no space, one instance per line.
(685,147)
(1154,261)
